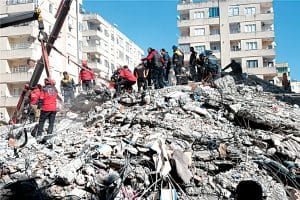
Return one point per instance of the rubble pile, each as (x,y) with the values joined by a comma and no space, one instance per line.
(180,142)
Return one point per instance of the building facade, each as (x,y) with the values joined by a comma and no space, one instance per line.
(19,44)
(106,48)
(242,30)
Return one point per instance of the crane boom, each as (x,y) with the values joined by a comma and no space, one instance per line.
(60,18)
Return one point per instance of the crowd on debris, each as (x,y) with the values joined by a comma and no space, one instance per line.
(194,141)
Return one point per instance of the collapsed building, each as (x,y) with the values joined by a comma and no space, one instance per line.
(181,142)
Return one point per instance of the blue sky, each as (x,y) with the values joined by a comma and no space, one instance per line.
(154,24)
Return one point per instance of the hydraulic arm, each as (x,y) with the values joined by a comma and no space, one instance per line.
(61,15)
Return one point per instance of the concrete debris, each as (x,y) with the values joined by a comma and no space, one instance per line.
(180,142)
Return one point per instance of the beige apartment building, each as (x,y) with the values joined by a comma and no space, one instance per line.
(242,30)
(19,43)
(106,48)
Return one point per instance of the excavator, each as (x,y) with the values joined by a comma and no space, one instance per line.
(47,42)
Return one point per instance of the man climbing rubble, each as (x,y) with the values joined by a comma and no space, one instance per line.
(236,69)
(67,88)
(141,73)
(86,76)
(48,103)
(127,80)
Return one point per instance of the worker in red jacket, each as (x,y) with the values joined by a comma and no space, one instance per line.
(127,79)
(86,76)
(48,104)
(34,97)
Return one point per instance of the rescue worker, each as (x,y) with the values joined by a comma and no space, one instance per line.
(86,76)
(236,68)
(286,84)
(141,73)
(193,59)
(154,63)
(127,79)
(177,60)
(166,62)
(34,97)
(201,72)
(67,88)
(48,104)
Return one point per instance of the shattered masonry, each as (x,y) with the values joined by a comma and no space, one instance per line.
(191,141)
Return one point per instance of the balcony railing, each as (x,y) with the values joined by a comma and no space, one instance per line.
(15,77)
(233,31)
(235,49)
(22,45)
(15,2)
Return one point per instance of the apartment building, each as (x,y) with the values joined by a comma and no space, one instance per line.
(242,30)
(19,44)
(106,48)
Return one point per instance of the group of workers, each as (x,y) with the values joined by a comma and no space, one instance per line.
(43,99)
(157,69)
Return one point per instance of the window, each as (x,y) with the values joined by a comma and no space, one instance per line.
(199,31)
(50,8)
(1,116)
(121,55)
(250,28)
(112,37)
(106,63)
(250,11)
(80,26)
(252,63)
(19,68)
(17,91)
(234,28)
(215,46)
(251,45)
(199,15)
(213,12)
(233,11)
(200,49)
(106,33)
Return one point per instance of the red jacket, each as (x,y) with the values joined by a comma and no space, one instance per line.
(86,75)
(49,98)
(34,96)
(126,74)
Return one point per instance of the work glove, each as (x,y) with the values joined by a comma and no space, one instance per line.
(39,104)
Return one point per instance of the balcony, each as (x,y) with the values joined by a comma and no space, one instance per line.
(20,53)
(9,101)
(252,53)
(98,67)
(192,39)
(13,6)
(93,33)
(245,36)
(15,77)
(261,71)
(197,22)
(20,30)
(95,49)
(255,17)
